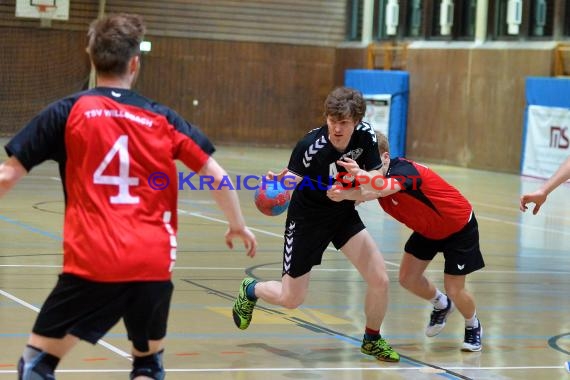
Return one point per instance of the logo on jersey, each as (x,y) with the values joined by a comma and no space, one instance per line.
(313,149)
(353,154)
(116,94)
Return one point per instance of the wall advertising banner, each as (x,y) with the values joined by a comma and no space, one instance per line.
(547,140)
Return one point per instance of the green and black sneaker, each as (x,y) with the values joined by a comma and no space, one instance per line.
(380,349)
(243,307)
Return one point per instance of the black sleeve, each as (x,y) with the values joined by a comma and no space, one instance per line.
(371,158)
(406,173)
(43,138)
(296,159)
(191,131)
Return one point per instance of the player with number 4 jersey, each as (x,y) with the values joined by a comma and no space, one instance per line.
(119,240)
(108,143)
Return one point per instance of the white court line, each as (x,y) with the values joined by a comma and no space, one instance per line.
(522,225)
(278,268)
(199,215)
(37,310)
(308,369)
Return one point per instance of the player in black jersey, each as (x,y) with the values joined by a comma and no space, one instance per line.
(314,221)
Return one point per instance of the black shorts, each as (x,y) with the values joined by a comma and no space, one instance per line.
(88,310)
(461,250)
(306,239)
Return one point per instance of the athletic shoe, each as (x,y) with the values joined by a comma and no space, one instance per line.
(380,349)
(438,317)
(567,366)
(472,341)
(243,307)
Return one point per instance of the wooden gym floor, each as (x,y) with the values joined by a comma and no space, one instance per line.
(522,294)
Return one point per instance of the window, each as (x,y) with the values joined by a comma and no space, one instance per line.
(354,24)
(420,19)
(566,26)
(529,19)
(414,19)
(541,18)
(467,12)
(510,20)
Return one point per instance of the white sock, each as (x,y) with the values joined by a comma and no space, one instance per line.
(472,322)
(440,300)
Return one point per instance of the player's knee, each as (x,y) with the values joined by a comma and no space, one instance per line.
(379,280)
(36,364)
(405,280)
(148,366)
(292,302)
(453,292)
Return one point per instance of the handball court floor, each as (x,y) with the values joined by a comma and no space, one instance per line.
(522,294)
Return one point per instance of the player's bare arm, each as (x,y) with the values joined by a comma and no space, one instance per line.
(11,171)
(227,200)
(539,196)
(373,183)
(337,193)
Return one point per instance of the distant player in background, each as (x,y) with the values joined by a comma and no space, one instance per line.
(313,221)
(119,233)
(442,221)
(538,197)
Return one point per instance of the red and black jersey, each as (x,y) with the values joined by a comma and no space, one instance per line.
(108,142)
(314,160)
(427,203)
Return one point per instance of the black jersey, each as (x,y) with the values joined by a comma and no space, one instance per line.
(314,160)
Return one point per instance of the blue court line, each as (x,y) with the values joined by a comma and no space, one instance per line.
(30,228)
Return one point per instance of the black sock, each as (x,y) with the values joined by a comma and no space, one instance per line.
(37,362)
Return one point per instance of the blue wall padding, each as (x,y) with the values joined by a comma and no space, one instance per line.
(395,83)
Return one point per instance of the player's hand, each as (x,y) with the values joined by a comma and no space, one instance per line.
(337,193)
(287,179)
(271,176)
(538,198)
(248,238)
(351,166)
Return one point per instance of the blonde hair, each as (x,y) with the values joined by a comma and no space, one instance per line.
(383,144)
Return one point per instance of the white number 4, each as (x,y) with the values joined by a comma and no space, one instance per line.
(123,180)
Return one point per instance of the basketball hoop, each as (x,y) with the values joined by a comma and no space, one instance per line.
(46,13)
(45,10)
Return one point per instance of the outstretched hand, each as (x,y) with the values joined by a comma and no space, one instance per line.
(350,165)
(286,178)
(538,198)
(248,238)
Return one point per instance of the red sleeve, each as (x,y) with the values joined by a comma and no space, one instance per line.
(189,152)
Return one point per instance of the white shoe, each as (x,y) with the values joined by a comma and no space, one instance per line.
(437,319)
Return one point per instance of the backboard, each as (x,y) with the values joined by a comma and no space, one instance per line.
(43,9)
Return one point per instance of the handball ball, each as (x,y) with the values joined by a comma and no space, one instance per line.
(271,198)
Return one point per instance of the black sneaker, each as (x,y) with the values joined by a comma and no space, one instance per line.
(472,341)
(438,317)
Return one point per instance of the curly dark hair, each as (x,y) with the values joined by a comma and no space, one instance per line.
(345,103)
